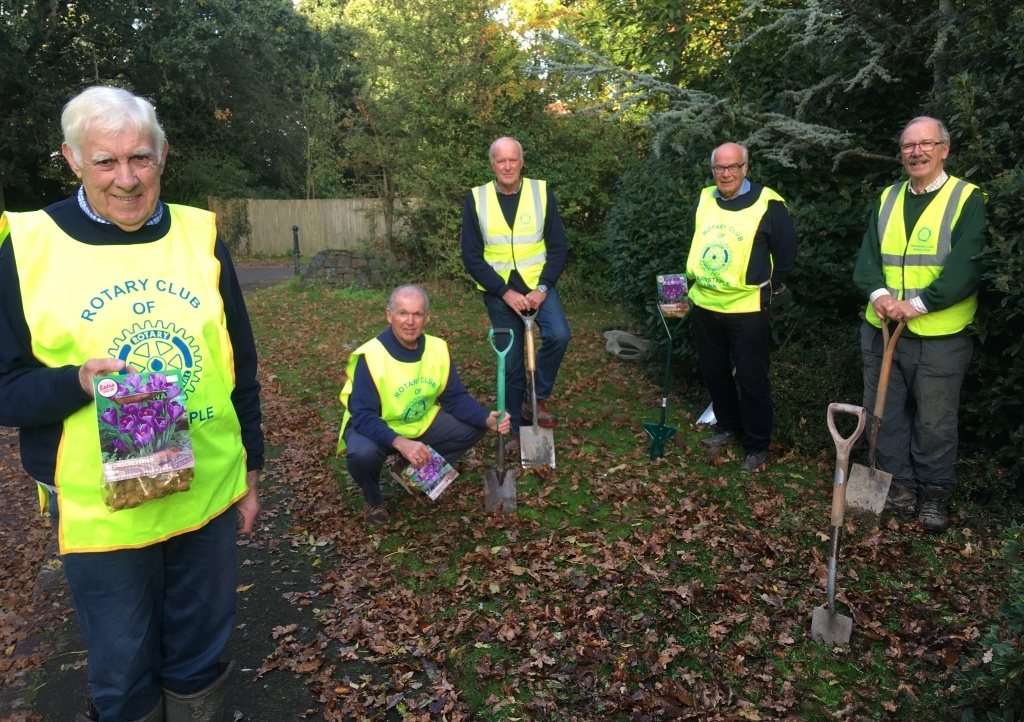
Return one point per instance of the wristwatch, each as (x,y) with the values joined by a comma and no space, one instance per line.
(542,288)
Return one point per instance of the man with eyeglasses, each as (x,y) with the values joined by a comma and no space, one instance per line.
(744,245)
(404,395)
(919,264)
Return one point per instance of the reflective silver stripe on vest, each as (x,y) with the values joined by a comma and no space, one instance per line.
(504,240)
(519,263)
(481,204)
(885,212)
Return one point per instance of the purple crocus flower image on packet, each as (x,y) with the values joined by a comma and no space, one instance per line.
(672,298)
(431,479)
(144,438)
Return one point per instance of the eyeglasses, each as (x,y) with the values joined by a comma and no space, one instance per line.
(405,315)
(926,146)
(732,168)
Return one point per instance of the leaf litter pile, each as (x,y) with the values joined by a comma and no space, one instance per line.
(623,588)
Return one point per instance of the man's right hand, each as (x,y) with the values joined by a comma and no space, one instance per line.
(516,301)
(883,306)
(416,452)
(97,367)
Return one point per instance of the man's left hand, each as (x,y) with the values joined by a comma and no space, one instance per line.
(535,298)
(903,311)
(249,505)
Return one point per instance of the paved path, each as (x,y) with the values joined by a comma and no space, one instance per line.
(269,576)
(255,278)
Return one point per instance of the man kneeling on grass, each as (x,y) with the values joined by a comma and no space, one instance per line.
(403,394)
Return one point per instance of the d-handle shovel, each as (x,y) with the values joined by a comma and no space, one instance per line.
(868,487)
(827,626)
(536,443)
(500,483)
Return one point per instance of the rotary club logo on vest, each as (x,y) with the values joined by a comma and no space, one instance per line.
(160,347)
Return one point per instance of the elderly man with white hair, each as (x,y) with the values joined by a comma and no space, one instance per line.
(114,281)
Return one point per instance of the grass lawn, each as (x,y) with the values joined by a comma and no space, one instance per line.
(624,588)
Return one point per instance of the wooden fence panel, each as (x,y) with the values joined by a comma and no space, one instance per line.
(265,226)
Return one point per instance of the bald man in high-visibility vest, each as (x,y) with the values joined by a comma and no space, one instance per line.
(513,246)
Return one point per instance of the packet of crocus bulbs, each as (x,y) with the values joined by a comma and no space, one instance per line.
(432,478)
(144,438)
(672,292)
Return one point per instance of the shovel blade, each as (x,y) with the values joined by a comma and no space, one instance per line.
(830,628)
(659,433)
(500,491)
(866,491)
(537,445)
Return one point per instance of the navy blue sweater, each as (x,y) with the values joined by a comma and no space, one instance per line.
(37,399)
(364,403)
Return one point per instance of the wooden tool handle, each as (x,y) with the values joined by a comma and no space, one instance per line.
(843,454)
(530,362)
(886,369)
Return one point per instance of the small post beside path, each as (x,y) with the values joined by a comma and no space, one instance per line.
(295,247)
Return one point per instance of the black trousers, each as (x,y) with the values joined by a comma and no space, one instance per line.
(737,340)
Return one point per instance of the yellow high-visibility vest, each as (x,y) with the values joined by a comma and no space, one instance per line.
(521,248)
(720,253)
(158,307)
(911,264)
(408,391)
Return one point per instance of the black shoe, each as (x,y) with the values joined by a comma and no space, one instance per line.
(934,511)
(755,462)
(722,438)
(901,501)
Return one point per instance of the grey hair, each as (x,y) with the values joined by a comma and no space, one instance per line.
(490,152)
(107,109)
(943,130)
(746,153)
(409,288)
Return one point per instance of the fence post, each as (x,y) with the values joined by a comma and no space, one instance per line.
(295,247)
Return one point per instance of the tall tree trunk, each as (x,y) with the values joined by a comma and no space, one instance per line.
(947,13)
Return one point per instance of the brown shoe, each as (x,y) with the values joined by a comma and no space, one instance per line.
(376,516)
(545,418)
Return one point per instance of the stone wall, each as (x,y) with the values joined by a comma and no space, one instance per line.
(361,268)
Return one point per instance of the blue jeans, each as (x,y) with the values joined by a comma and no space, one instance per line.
(917,442)
(364,457)
(157,616)
(554,336)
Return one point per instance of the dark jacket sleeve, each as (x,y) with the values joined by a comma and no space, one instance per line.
(782,242)
(473,251)
(31,395)
(456,400)
(961,274)
(554,243)
(868,276)
(365,407)
(246,395)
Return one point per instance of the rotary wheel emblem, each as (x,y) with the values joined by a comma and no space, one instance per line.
(162,348)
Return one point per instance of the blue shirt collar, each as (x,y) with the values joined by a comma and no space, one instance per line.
(745,188)
(158,214)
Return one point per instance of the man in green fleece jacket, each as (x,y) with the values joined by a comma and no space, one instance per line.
(919,264)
